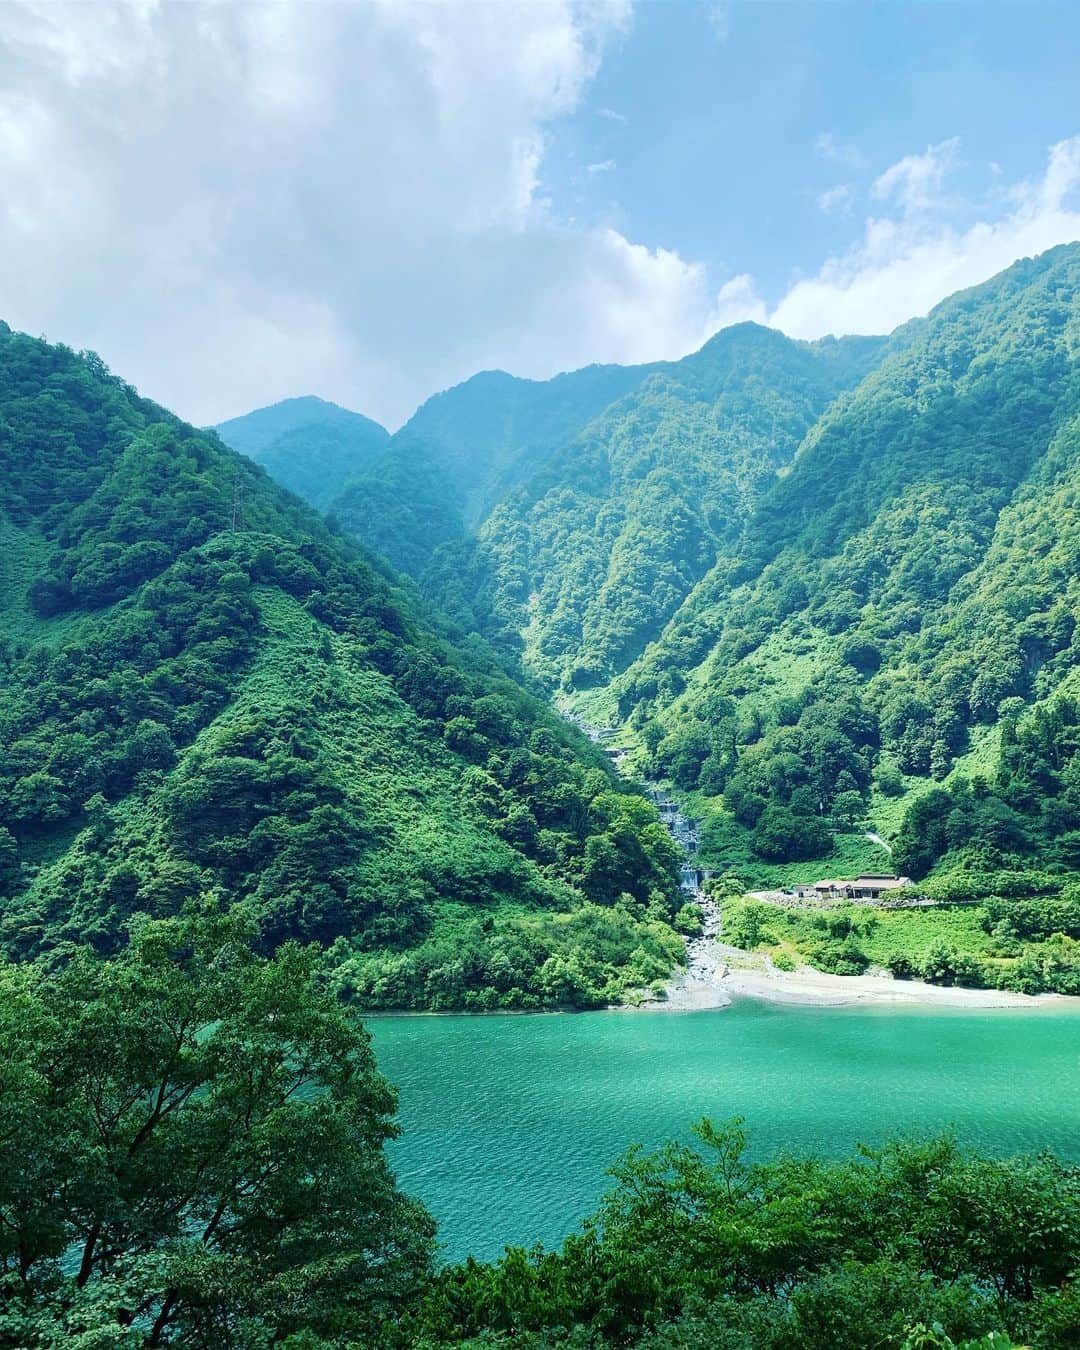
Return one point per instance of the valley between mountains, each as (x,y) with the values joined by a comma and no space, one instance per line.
(825,593)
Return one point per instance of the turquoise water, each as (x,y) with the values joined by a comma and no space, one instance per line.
(510,1122)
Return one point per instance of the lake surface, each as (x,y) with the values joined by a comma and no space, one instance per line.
(510,1121)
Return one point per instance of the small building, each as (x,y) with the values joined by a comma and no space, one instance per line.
(869,886)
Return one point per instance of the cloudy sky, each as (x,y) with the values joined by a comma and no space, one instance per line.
(370,201)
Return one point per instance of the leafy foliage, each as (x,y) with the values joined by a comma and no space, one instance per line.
(193,1150)
(1026,945)
(915,1244)
(212,692)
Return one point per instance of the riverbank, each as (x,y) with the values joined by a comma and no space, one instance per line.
(723,973)
(716,973)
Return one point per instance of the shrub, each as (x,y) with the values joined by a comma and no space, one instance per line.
(838,958)
(943,964)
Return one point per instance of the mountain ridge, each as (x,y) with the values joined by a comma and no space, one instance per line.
(211,698)
(307,444)
(710,536)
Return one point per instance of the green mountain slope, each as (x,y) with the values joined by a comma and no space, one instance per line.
(597,550)
(495,430)
(405,497)
(826,588)
(205,692)
(900,610)
(403,505)
(306,444)
(454,460)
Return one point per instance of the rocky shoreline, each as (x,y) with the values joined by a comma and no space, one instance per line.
(719,973)
(716,973)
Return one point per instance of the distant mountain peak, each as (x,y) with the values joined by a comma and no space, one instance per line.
(308,444)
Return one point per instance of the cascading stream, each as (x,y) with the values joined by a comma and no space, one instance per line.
(705,964)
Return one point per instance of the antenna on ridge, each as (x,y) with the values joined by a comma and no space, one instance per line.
(238,501)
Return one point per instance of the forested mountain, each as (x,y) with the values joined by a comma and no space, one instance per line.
(310,446)
(824,587)
(443,471)
(594,553)
(402,505)
(495,430)
(598,498)
(208,694)
(901,610)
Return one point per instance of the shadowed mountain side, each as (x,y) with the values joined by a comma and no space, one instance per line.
(306,444)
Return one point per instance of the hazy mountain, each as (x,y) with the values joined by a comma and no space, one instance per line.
(494,430)
(310,446)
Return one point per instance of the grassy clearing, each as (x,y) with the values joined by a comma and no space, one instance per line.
(23,556)
(882,936)
(725,846)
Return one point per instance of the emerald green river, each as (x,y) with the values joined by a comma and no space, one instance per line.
(509,1122)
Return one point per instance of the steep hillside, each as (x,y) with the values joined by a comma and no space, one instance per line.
(455,459)
(428,486)
(901,609)
(308,445)
(495,430)
(403,505)
(590,556)
(205,693)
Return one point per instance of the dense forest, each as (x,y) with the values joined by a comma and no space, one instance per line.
(893,639)
(589,559)
(207,693)
(823,589)
(308,445)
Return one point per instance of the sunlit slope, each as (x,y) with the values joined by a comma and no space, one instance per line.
(208,694)
(911,581)
(590,557)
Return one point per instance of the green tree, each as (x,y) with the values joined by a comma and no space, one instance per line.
(192,1138)
(784,835)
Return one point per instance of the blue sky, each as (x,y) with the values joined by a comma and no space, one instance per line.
(732,121)
(370,200)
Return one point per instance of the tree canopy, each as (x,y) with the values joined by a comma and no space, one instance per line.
(192,1139)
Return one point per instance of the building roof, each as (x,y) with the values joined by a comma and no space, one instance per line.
(876,880)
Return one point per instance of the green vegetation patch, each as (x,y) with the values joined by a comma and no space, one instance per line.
(1026,945)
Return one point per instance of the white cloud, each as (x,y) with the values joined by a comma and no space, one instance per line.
(836,200)
(827,147)
(605,166)
(235,203)
(915,181)
(612,115)
(902,267)
(736,301)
